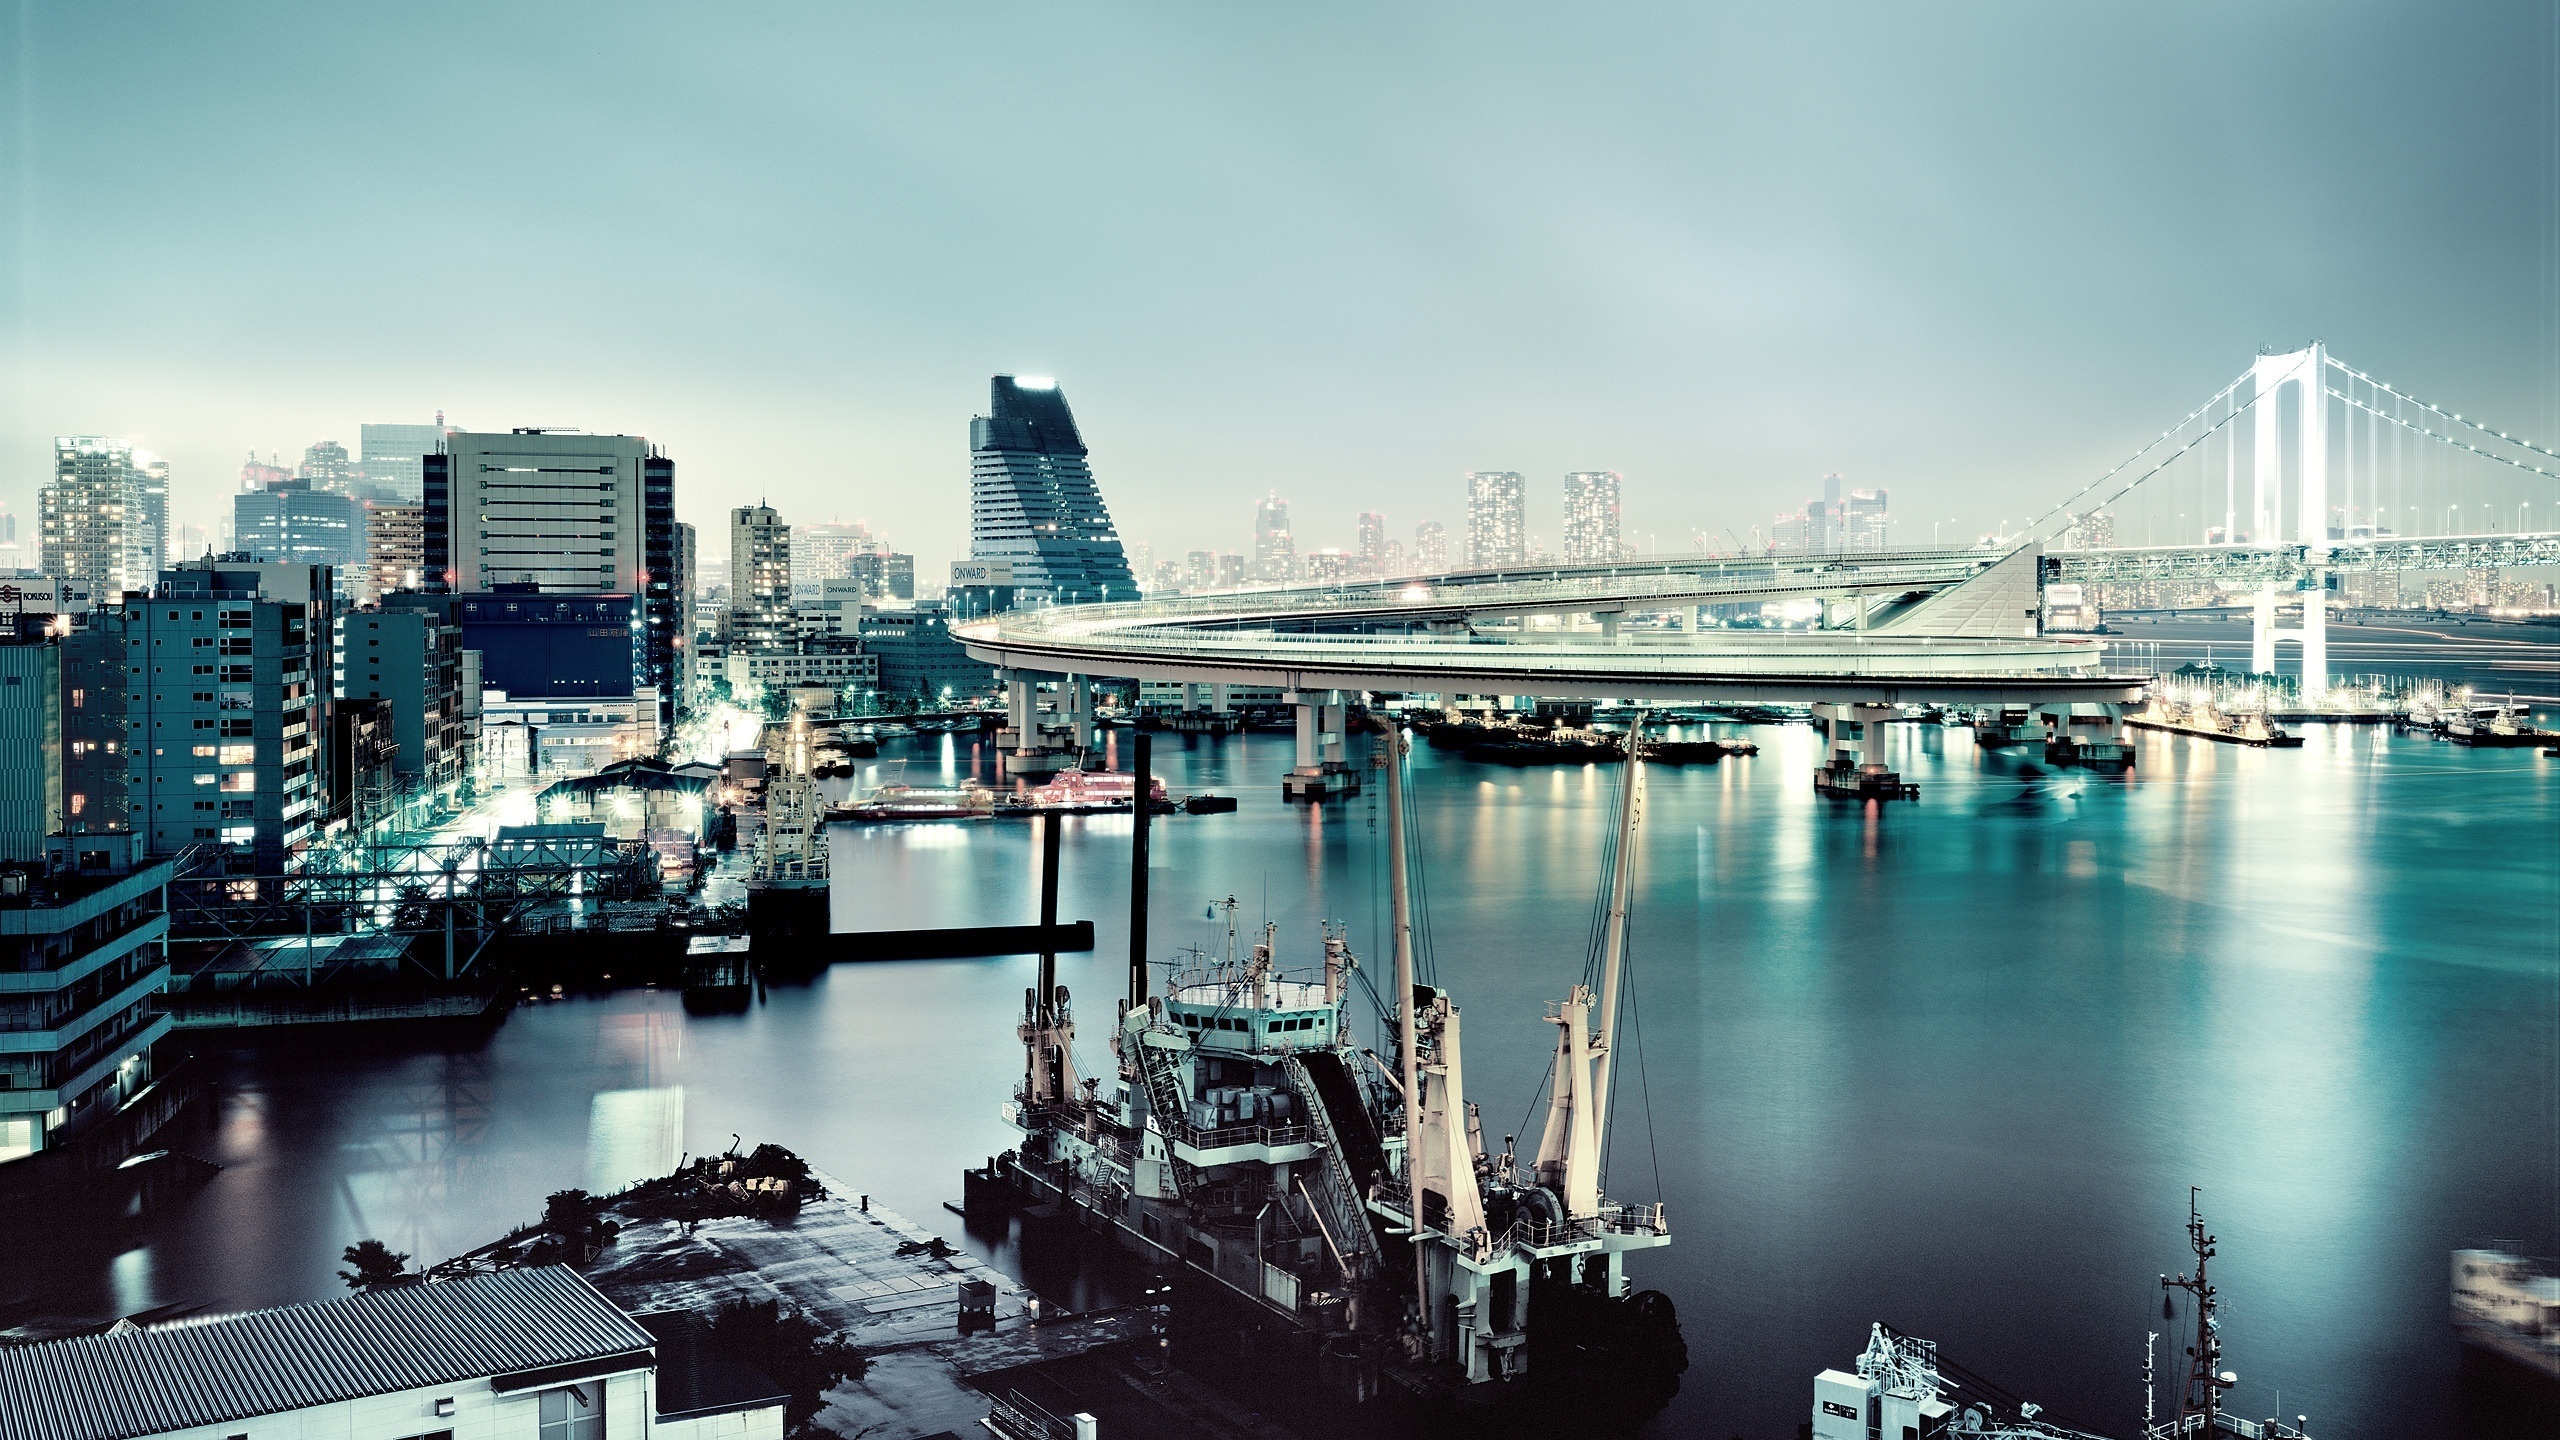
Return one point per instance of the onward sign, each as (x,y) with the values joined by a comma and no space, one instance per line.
(981,572)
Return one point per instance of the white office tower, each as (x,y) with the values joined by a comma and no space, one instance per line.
(1497,518)
(329,468)
(394,458)
(1370,560)
(759,579)
(1275,549)
(1591,517)
(104,518)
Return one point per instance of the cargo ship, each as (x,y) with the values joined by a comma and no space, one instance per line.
(1333,1221)
(1069,792)
(2509,1305)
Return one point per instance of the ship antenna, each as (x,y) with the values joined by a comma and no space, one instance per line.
(1400,927)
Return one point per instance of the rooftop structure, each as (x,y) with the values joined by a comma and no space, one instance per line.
(519,1352)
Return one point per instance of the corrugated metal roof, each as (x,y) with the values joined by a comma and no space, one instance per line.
(118,1386)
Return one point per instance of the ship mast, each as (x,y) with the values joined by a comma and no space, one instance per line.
(2201,1396)
(1400,925)
(1614,943)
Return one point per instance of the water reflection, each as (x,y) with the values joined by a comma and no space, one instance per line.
(1950,1063)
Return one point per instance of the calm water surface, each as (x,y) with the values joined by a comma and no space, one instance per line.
(1951,1064)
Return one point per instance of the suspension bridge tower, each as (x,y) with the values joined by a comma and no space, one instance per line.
(2306,371)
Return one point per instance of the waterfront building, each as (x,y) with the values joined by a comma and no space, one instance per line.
(1033,502)
(837,664)
(1497,519)
(522,738)
(566,514)
(102,519)
(1328,566)
(1230,570)
(62,714)
(412,659)
(759,579)
(535,1353)
(84,943)
(1591,517)
(395,549)
(1430,547)
(395,458)
(292,521)
(919,660)
(1275,549)
(227,708)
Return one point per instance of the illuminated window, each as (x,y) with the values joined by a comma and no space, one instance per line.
(202,752)
(207,778)
(234,754)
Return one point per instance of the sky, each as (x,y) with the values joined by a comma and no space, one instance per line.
(1973,253)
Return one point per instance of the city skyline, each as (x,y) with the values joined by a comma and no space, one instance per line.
(1724,287)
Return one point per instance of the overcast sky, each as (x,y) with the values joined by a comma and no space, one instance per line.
(1970,252)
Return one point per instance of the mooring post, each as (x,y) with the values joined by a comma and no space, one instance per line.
(1139,794)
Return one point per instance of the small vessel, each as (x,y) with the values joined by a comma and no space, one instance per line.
(2508,1305)
(2503,725)
(1337,1220)
(1902,1386)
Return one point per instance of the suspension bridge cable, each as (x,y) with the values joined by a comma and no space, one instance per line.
(2439,410)
(2137,455)
(2447,439)
(2127,488)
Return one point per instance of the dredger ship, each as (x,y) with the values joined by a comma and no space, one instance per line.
(1329,1212)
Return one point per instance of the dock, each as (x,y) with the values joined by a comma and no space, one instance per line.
(893,1289)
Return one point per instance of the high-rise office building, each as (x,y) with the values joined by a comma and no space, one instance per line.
(688,583)
(1497,518)
(1370,559)
(1591,517)
(566,514)
(225,747)
(293,521)
(759,579)
(328,466)
(1391,559)
(1430,547)
(411,658)
(152,489)
(395,549)
(1033,501)
(394,459)
(1275,549)
(819,554)
(1865,520)
(104,517)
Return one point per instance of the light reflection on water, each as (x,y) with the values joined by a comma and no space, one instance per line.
(1951,1064)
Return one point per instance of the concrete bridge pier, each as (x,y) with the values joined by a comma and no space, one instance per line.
(1028,747)
(2312,634)
(2085,732)
(1080,709)
(1321,771)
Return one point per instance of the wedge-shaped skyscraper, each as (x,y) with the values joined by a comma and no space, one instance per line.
(1033,503)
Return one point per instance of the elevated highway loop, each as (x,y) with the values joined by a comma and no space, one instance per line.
(1938,628)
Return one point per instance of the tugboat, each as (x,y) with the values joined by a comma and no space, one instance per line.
(1334,1221)
(1902,1386)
